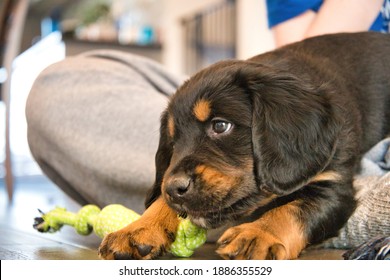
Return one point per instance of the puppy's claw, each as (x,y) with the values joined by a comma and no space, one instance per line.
(122,256)
(144,250)
(277,252)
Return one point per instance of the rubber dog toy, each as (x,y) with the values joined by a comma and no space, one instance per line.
(113,217)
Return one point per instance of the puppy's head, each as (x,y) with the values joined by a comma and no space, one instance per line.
(236,135)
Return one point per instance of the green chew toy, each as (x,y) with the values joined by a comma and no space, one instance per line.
(113,217)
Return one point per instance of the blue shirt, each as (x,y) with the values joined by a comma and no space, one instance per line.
(283,10)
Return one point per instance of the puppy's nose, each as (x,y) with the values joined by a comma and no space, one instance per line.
(179,187)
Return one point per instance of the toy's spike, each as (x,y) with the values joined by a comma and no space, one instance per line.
(38,224)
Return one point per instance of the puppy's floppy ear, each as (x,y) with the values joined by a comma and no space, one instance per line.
(162,160)
(294,128)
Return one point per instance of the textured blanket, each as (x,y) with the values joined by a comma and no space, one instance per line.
(372,216)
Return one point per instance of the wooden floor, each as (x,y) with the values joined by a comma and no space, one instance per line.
(18,239)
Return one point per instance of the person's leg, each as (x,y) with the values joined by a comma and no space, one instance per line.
(93,125)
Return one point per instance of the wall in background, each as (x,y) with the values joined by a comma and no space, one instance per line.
(253,35)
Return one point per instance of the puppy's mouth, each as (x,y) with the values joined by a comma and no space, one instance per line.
(214,217)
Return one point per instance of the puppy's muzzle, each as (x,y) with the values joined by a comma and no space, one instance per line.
(179,188)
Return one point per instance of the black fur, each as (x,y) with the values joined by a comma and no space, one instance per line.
(304,109)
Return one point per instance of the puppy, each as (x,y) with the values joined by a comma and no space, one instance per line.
(274,140)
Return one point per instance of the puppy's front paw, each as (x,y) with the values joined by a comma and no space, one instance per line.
(136,241)
(249,241)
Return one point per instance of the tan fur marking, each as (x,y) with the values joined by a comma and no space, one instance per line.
(160,213)
(215,178)
(171,126)
(150,229)
(283,223)
(202,110)
(326,176)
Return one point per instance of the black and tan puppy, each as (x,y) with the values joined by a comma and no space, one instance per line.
(276,138)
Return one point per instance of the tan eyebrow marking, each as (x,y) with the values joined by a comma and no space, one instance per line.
(171,126)
(202,110)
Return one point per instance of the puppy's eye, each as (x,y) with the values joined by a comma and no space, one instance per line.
(221,126)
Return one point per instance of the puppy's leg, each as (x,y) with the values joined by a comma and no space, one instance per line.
(147,238)
(317,212)
(278,234)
